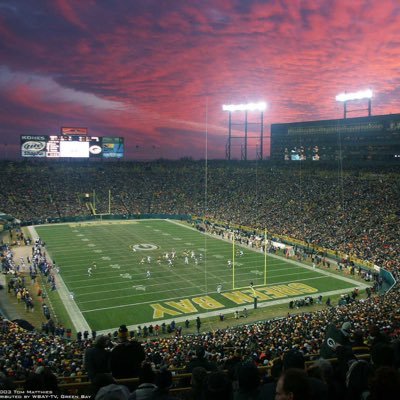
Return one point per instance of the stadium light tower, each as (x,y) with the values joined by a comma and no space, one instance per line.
(345,97)
(261,107)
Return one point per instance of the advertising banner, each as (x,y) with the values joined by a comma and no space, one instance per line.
(33,145)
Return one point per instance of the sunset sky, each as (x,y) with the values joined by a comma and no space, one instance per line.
(157,72)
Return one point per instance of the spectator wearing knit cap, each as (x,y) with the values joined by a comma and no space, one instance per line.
(346,329)
(344,342)
(126,357)
(335,339)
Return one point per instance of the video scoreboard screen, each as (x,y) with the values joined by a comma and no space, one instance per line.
(71,146)
(113,147)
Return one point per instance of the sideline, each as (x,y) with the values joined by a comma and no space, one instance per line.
(77,318)
(7,308)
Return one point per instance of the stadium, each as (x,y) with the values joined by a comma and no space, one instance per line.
(249,260)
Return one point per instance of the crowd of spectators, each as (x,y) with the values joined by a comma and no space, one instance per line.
(374,321)
(355,212)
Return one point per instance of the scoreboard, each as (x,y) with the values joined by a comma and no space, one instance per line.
(71,146)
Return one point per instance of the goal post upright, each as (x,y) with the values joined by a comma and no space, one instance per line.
(233,261)
(265,257)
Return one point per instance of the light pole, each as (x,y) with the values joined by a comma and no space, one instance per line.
(261,106)
(363,94)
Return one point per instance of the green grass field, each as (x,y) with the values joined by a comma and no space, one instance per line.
(119,290)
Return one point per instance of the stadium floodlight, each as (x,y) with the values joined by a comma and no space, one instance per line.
(363,94)
(261,106)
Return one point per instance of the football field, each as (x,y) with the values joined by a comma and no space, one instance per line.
(147,271)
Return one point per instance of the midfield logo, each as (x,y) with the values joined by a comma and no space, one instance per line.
(143,247)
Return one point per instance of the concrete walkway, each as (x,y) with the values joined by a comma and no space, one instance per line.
(7,308)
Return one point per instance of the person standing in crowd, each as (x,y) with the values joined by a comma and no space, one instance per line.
(96,358)
(198,324)
(126,357)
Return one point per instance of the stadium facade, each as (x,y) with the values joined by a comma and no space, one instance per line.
(372,138)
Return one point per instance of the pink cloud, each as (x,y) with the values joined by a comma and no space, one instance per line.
(146,69)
